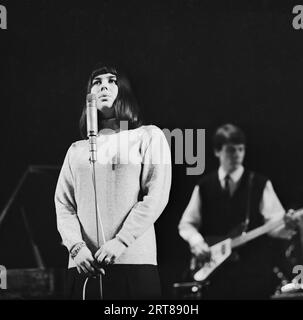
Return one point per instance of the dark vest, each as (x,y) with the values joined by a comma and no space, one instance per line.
(221,213)
(247,272)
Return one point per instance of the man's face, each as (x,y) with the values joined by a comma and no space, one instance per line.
(231,156)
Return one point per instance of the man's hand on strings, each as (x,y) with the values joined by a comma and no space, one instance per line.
(201,251)
(291,222)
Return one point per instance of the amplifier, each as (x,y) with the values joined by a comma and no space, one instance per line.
(34,284)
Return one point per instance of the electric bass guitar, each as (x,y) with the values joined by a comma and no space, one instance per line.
(220,251)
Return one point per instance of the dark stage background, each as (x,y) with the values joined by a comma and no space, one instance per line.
(193,64)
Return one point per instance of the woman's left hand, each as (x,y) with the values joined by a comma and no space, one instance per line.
(110,251)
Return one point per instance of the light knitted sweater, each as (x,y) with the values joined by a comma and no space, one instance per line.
(133,178)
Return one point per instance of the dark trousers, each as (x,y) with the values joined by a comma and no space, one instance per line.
(120,282)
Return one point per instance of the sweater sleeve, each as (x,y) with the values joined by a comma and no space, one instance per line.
(66,209)
(155,188)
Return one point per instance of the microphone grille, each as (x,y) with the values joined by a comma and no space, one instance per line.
(90,97)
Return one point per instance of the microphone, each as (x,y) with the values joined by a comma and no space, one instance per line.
(92,125)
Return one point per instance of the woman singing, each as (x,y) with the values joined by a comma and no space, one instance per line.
(133,178)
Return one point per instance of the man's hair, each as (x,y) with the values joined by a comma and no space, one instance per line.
(226,134)
(125,105)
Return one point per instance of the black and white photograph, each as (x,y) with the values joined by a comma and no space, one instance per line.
(151,152)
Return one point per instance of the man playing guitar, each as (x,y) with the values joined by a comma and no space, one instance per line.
(228,203)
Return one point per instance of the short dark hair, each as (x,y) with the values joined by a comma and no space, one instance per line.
(226,134)
(125,105)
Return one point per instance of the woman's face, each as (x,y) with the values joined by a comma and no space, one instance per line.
(105,87)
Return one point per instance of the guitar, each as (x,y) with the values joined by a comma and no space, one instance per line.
(220,251)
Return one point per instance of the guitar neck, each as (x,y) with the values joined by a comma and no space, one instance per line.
(253,234)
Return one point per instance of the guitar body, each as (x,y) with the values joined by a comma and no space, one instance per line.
(236,271)
(221,250)
(219,253)
(243,273)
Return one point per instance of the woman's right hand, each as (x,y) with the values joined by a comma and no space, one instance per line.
(85,262)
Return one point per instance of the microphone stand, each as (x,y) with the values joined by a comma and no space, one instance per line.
(92,132)
(92,160)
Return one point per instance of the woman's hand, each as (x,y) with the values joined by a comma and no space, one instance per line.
(84,261)
(110,251)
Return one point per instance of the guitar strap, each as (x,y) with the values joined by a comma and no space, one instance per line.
(248,206)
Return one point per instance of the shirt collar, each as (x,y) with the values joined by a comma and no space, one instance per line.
(235,176)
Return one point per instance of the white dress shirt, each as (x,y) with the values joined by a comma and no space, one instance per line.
(270,207)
